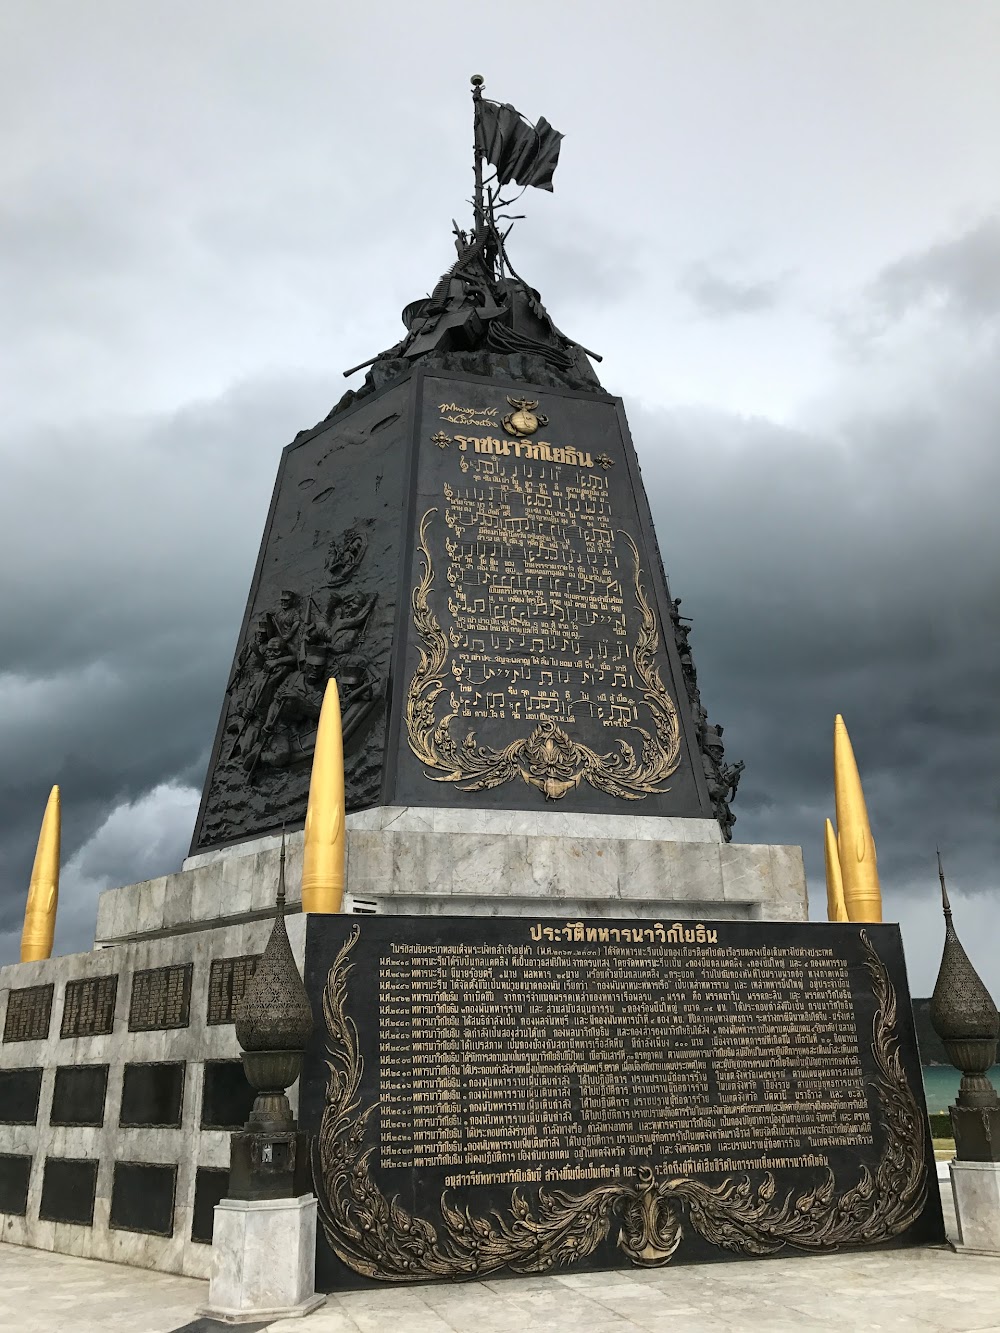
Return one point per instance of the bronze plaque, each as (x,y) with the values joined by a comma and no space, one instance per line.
(161,998)
(540,664)
(227,983)
(29,1009)
(523,1095)
(89,1007)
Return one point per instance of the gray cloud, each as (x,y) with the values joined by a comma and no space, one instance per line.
(719,297)
(962,274)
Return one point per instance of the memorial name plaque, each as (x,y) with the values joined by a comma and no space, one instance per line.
(161,998)
(89,1007)
(142,1198)
(228,979)
(69,1186)
(79,1094)
(20,1090)
(517,1096)
(152,1094)
(15,1174)
(29,1009)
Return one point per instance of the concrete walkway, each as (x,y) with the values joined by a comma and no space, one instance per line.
(899,1291)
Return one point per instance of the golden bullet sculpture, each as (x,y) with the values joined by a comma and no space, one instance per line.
(858,864)
(43,889)
(323,853)
(835,908)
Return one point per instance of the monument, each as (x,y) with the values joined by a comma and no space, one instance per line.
(541,883)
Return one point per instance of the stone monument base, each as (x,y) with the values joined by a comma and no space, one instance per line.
(430,861)
(123,1075)
(976,1187)
(263,1260)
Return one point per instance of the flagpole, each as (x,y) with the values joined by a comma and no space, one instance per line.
(477,82)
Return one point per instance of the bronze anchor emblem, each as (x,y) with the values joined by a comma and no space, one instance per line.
(524,420)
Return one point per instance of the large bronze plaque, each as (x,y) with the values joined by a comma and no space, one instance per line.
(539,664)
(29,1009)
(161,998)
(89,1007)
(512,1096)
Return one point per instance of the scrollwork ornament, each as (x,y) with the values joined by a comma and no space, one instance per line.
(549,758)
(378,1237)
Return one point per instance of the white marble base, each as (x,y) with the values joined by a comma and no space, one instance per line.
(263,1260)
(976,1187)
(434,861)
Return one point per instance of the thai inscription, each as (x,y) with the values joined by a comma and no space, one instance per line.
(551,1092)
(89,1007)
(161,998)
(29,1009)
(534,620)
(612,1054)
(227,983)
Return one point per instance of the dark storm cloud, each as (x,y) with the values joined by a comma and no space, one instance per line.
(719,297)
(852,568)
(133,544)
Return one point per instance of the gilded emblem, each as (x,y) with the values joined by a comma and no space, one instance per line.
(554,1228)
(524,420)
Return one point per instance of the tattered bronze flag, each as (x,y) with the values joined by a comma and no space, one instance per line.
(520,151)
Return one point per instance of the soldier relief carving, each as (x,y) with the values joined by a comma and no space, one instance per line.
(277,685)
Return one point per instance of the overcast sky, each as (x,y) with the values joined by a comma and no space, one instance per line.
(778,221)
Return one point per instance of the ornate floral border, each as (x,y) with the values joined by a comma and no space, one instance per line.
(549,758)
(379,1238)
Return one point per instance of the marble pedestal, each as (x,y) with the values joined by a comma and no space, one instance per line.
(263,1260)
(976,1187)
(438,861)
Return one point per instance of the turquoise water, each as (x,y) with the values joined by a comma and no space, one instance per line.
(941,1084)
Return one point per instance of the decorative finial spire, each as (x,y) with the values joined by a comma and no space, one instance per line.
(43,888)
(280,898)
(946,905)
(963,1015)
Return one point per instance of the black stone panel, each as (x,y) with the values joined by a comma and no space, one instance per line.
(227,1098)
(89,1007)
(685,1091)
(161,998)
(68,1189)
(538,668)
(332,540)
(228,980)
(78,1095)
(29,1009)
(15,1173)
(142,1198)
(152,1094)
(210,1186)
(20,1090)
